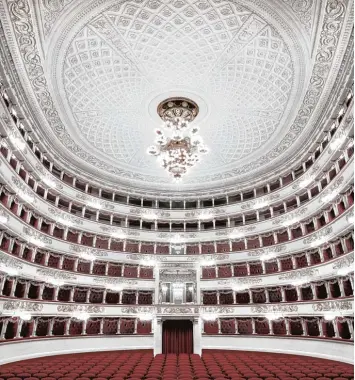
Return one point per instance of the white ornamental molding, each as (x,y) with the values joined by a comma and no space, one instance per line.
(138,309)
(236,233)
(149,214)
(167,275)
(4,217)
(177,310)
(260,202)
(267,251)
(51,274)
(309,273)
(9,262)
(205,259)
(64,218)
(241,281)
(345,262)
(332,191)
(291,218)
(306,179)
(206,214)
(119,232)
(332,306)
(94,202)
(23,191)
(80,308)
(145,258)
(274,309)
(217,309)
(36,237)
(319,237)
(175,237)
(23,306)
(341,135)
(114,281)
(45,174)
(90,251)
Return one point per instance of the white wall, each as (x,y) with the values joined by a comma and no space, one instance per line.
(32,348)
(327,349)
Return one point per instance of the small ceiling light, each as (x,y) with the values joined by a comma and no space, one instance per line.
(87,256)
(145,317)
(236,234)
(119,234)
(4,219)
(209,317)
(334,145)
(65,222)
(94,204)
(260,204)
(17,141)
(273,316)
(306,181)
(81,315)
(49,181)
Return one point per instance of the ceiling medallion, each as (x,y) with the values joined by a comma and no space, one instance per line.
(181,148)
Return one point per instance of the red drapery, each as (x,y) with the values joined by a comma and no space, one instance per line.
(177,337)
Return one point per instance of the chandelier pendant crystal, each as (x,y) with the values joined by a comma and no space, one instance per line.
(180,148)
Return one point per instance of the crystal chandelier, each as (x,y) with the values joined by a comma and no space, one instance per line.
(181,147)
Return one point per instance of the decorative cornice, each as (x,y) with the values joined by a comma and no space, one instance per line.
(318,236)
(55,274)
(290,218)
(36,236)
(241,281)
(91,251)
(177,310)
(9,262)
(64,217)
(114,281)
(345,262)
(267,251)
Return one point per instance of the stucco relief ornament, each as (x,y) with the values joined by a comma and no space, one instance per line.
(36,237)
(86,250)
(23,191)
(260,203)
(114,281)
(334,14)
(319,237)
(44,174)
(138,310)
(236,233)
(50,274)
(300,274)
(81,308)
(9,262)
(241,281)
(94,202)
(23,306)
(217,309)
(332,191)
(178,310)
(345,262)
(291,218)
(268,252)
(63,218)
(274,309)
(306,179)
(332,306)
(304,11)
(149,214)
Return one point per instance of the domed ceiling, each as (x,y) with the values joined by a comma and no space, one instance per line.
(260,72)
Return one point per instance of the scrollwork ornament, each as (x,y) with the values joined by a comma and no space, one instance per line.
(9,262)
(344,262)
(332,306)
(81,308)
(274,309)
(23,306)
(300,274)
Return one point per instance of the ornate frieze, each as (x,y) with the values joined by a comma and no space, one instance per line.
(217,309)
(91,251)
(205,214)
(177,276)
(55,274)
(138,309)
(309,273)
(267,251)
(241,281)
(260,203)
(213,257)
(237,232)
(118,232)
(81,308)
(319,237)
(23,306)
(153,214)
(44,173)
(303,10)
(35,236)
(9,262)
(331,191)
(332,306)
(94,202)
(146,257)
(23,191)
(308,177)
(291,218)
(175,236)
(274,309)
(344,262)
(177,310)
(114,281)
(64,218)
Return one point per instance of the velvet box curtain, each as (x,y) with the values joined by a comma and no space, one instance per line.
(177,337)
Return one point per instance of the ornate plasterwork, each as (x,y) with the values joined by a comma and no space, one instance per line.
(333,189)
(274,309)
(290,218)
(304,11)
(49,274)
(319,236)
(114,281)
(344,262)
(241,281)
(23,191)
(64,218)
(9,262)
(91,251)
(261,203)
(148,214)
(238,232)
(267,251)
(94,202)
(332,306)
(177,310)
(309,273)
(35,236)
(80,308)
(23,306)
(45,174)
(217,309)
(137,309)
(334,14)
(170,275)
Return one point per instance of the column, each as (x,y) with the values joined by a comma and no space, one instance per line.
(71,295)
(314,291)
(283,294)
(250,296)
(253,326)
(91,267)
(3,330)
(287,324)
(279,267)
(2,284)
(197,335)
(120,298)
(118,331)
(308,257)
(84,327)
(27,288)
(157,336)
(219,325)
(55,293)
(263,266)
(34,328)
(104,296)
(88,292)
(271,327)
(135,325)
(234,298)
(137,295)
(335,326)
(294,263)
(320,325)
(341,287)
(101,326)
(267,297)
(67,327)
(351,329)
(19,327)
(50,327)
(304,327)
(236,326)
(299,293)
(248,269)
(76,262)
(218,297)
(327,286)
(13,287)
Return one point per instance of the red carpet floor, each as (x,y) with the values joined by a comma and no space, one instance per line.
(141,365)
